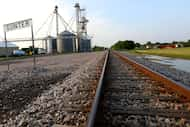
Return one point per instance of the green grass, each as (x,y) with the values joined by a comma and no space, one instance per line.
(183,53)
(14,58)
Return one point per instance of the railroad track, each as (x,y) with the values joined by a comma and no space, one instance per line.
(129,95)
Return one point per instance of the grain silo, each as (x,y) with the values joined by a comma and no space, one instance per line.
(51,45)
(66,42)
(85,45)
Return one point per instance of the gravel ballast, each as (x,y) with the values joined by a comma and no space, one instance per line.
(172,73)
(48,65)
(66,102)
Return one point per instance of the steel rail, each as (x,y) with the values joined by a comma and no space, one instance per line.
(169,83)
(92,115)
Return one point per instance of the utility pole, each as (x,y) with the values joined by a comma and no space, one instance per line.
(77,6)
(6,46)
(33,47)
(57,22)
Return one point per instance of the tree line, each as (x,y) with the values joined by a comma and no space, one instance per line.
(129,44)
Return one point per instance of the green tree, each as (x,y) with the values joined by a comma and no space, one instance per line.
(122,45)
(98,48)
(149,43)
(137,45)
(157,43)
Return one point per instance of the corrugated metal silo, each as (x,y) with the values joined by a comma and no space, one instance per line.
(66,42)
(51,45)
(85,45)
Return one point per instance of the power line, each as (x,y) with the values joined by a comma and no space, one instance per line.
(45,22)
(1,38)
(65,23)
(50,26)
(72,21)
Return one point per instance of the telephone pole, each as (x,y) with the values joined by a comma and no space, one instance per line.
(77,6)
(57,21)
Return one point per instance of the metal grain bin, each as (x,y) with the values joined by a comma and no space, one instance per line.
(66,42)
(85,45)
(51,45)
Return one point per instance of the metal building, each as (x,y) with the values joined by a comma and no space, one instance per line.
(9,50)
(85,45)
(50,44)
(66,42)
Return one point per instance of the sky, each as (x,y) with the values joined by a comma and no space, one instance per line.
(110,20)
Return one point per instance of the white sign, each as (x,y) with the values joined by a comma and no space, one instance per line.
(17,25)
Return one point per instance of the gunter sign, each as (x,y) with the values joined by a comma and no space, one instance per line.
(17,25)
